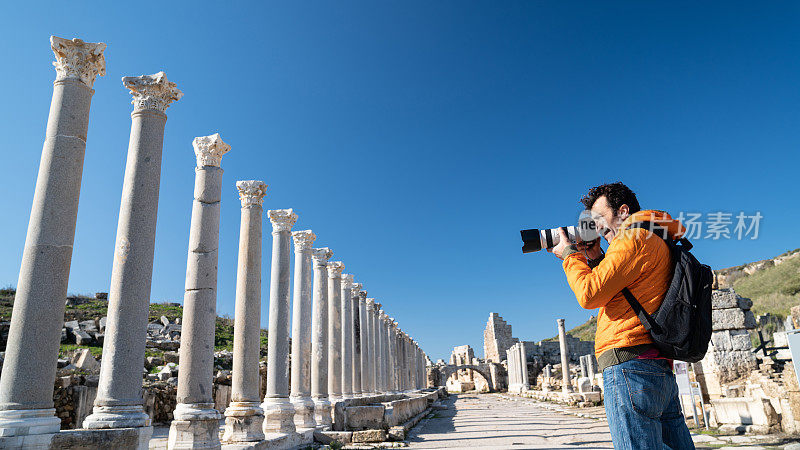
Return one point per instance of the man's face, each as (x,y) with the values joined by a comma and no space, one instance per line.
(606,219)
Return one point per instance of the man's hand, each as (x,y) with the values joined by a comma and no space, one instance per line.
(591,249)
(563,243)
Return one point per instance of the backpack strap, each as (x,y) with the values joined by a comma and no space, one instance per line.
(644,316)
(661,232)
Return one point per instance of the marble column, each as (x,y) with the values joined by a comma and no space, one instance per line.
(590,367)
(392,353)
(29,370)
(363,328)
(319,339)
(379,388)
(196,422)
(355,294)
(347,335)
(546,374)
(372,311)
(301,330)
(244,417)
(335,269)
(582,360)
(384,366)
(119,394)
(278,410)
(523,362)
(562,340)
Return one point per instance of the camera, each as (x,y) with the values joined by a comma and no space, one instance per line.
(535,239)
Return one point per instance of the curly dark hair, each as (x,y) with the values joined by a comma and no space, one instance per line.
(617,195)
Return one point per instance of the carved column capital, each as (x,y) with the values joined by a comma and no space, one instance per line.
(335,269)
(152,92)
(209,150)
(377,305)
(78,59)
(321,255)
(303,240)
(356,289)
(347,280)
(370,304)
(251,192)
(282,219)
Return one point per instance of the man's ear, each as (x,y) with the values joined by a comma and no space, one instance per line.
(624,211)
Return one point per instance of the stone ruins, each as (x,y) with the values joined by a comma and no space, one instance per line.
(347,355)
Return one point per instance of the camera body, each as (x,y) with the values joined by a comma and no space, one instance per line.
(535,239)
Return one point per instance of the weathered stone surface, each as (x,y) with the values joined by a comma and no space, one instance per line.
(728,298)
(361,417)
(497,338)
(369,436)
(728,340)
(732,319)
(81,337)
(84,360)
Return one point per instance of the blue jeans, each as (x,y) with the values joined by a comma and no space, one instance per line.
(642,406)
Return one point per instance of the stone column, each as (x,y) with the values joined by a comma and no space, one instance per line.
(379,381)
(119,394)
(355,294)
(546,374)
(590,367)
(376,347)
(562,339)
(196,422)
(392,353)
(335,269)
(244,416)
(319,339)
(278,410)
(384,353)
(301,330)
(523,363)
(29,371)
(363,328)
(582,360)
(347,335)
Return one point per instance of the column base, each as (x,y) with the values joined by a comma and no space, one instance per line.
(243,423)
(123,416)
(278,415)
(195,425)
(322,413)
(303,412)
(29,422)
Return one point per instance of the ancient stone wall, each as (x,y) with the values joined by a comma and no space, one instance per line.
(497,339)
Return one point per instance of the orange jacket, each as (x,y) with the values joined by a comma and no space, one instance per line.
(636,259)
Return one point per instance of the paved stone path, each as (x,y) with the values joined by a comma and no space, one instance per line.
(502,421)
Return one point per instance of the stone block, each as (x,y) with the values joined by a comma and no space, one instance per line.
(84,360)
(64,335)
(102,324)
(72,324)
(88,326)
(732,319)
(726,366)
(728,340)
(81,337)
(360,417)
(728,298)
(369,436)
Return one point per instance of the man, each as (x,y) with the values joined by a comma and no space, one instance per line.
(641,396)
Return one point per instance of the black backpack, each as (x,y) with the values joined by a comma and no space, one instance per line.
(681,326)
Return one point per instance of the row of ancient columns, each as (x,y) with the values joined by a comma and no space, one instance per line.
(517,368)
(343,344)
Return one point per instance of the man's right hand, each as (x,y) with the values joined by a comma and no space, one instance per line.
(591,249)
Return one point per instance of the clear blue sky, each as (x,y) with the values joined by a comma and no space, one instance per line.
(417,138)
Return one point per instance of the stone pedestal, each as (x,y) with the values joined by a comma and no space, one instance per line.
(319,339)
(562,340)
(244,417)
(29,370)
(278,410)
(196,422)
(335,269)
(119,395)
(347,336)
(301,330)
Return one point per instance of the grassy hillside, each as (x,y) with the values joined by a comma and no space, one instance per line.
(584,331)
(774,289)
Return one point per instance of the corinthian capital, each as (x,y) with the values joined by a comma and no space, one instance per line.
(152,91)
(303,240)
(356,289)
(321,255)
(209,150)
(347,281)
(78,59)
(335,269)
(251,192)
(282,219)
(370,304)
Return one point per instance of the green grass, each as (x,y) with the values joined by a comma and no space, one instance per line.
(774,289)
(584,331)
(223,334)
(66,349)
